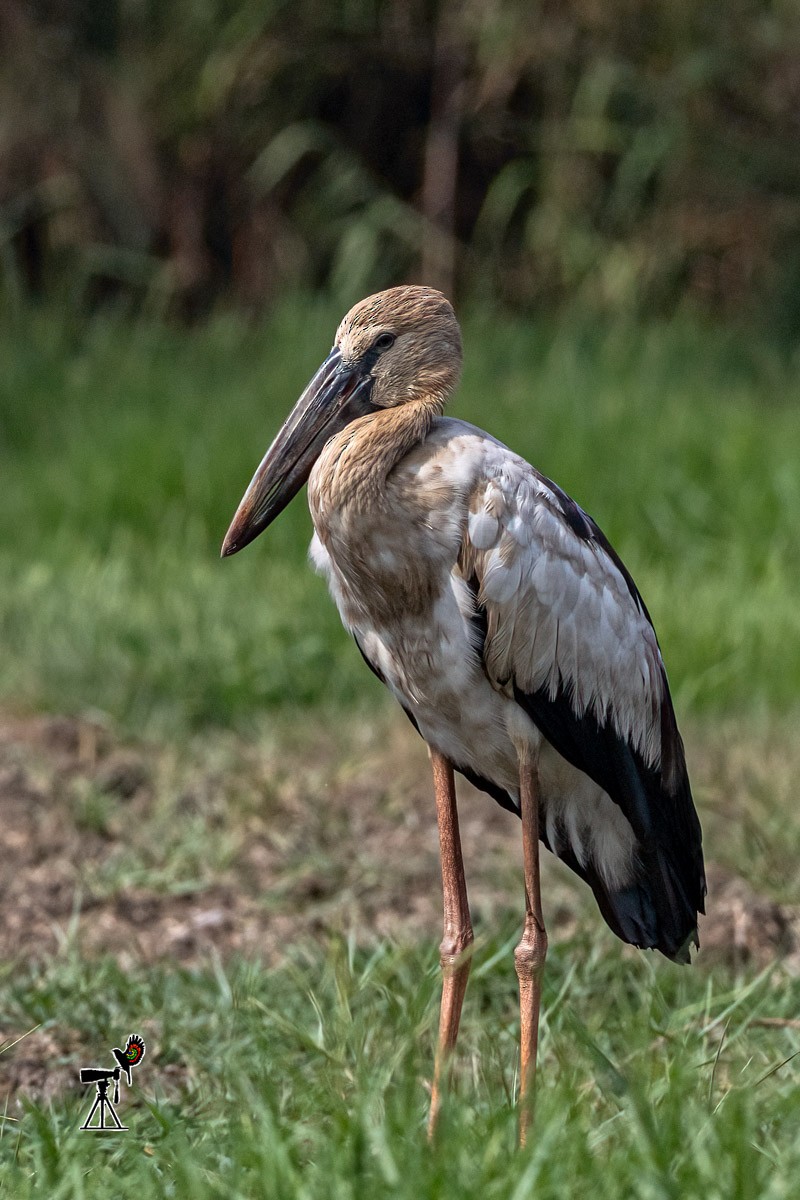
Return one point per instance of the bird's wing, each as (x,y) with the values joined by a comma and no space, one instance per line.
(568,636)
(563,615)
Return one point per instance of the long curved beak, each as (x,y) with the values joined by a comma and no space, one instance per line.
(337,395)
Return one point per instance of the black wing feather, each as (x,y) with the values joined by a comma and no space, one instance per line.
(660,909)
(668,893)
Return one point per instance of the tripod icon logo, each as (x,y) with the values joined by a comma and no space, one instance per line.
(128,1058)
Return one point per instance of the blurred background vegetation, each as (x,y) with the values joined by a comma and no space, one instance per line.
(630,157)
(191,193)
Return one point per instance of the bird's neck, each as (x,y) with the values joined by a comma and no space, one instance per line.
(354,465)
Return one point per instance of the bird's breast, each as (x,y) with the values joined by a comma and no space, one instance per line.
(387,554)
(383,574)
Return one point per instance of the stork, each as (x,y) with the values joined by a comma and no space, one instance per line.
(497,613)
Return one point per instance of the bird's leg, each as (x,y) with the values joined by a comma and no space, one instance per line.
(530,954)
(454,950)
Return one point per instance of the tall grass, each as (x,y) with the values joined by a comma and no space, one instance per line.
(126,449)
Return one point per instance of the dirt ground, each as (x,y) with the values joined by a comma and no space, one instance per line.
(132,851)
(245,846)
(239,846)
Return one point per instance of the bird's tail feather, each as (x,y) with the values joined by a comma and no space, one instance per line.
(653,912)
(658,909)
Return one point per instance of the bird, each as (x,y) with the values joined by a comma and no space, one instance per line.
(500,617)
(131,1056)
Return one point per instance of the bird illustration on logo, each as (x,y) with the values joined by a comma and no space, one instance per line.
(131,1056)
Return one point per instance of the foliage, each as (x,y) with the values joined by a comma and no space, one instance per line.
(627,155)
(126,450)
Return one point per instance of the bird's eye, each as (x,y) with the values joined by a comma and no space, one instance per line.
(383,341)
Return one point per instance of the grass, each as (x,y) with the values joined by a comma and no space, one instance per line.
(306,1082)
(303,1075)
(126,449)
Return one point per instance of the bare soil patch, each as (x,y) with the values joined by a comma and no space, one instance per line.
(233,846)
(151,853)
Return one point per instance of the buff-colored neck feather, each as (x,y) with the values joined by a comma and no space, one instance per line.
(353,468)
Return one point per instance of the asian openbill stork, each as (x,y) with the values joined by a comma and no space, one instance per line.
(497,613)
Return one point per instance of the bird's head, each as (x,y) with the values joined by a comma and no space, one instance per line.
(396,347)
(408,341)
